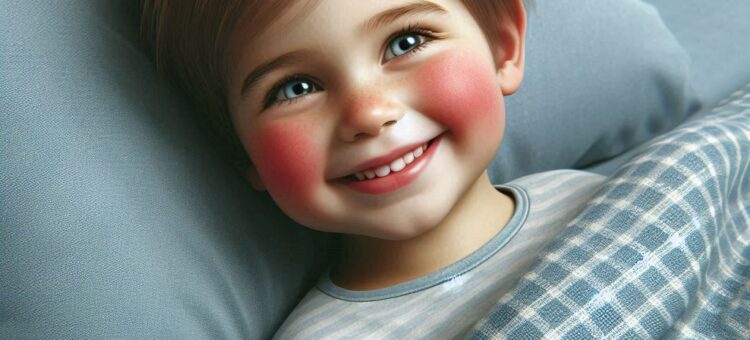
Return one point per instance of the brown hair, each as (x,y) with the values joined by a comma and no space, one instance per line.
(188,41)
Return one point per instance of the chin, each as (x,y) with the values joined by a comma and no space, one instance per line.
(409,226)
(396,235)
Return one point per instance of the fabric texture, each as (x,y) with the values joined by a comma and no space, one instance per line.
(448,302)
(661,251)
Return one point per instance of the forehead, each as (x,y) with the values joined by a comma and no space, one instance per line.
(263,29)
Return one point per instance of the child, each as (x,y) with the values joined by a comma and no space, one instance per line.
(376,120)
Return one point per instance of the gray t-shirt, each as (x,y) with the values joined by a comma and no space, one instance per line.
(447,303)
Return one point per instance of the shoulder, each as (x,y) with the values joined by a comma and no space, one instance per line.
(559,181)
(559,192)
(321,316)
(316,308)
(558,178)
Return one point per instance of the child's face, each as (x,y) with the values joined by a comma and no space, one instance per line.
(347,97)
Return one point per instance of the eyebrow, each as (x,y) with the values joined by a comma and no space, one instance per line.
(261,71)
(390,15)
(381,19)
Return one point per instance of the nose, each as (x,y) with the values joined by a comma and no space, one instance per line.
(367,115)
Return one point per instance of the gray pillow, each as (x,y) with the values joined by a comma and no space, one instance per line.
(716,35)
(602,76)
(118,219)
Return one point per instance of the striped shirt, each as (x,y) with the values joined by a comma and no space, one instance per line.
(448,302)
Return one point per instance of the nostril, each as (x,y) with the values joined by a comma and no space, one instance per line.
(364,134)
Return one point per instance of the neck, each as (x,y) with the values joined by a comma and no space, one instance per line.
(368,263)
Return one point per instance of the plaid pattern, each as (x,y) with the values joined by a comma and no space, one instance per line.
(662,250)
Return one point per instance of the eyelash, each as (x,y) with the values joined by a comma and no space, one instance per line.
(270,100)
(415,29)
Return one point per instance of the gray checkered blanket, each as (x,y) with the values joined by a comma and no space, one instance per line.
(661,251)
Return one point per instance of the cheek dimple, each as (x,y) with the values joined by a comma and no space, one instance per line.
(288,161)
(459,91)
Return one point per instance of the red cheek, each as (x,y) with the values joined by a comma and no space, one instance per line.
(288,161)
(459,91)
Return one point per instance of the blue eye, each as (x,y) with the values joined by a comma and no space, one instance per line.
(404,44)
(292,89)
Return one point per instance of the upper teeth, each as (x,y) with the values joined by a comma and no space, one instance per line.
(396,165)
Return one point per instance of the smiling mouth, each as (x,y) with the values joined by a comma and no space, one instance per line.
(396,165)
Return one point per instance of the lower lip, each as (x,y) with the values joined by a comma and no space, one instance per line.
(395,180)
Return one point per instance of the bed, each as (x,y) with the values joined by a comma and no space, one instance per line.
(118,218)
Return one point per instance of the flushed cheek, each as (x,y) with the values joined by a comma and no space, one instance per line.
(289,159)
(459,91)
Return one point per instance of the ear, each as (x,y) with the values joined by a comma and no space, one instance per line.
(509,50)
(252,177)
